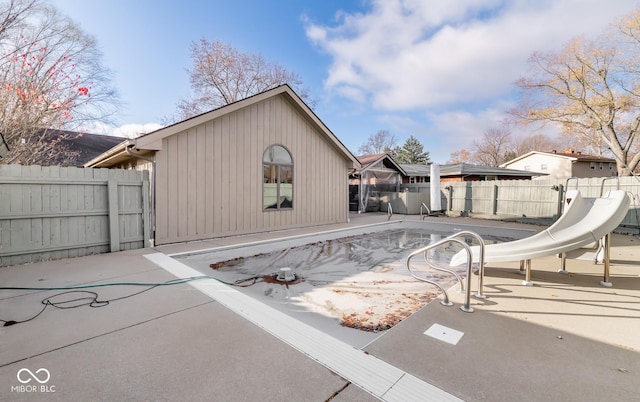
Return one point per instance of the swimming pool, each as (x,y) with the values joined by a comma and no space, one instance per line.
(353,284)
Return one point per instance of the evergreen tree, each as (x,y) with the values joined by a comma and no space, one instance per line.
(412,152)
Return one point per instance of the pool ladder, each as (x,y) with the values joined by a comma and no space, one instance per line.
(455,238)
(424,206)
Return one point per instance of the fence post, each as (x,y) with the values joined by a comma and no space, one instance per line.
(146,219)
(114,219)
(560,199)
(450,200)
(494,200)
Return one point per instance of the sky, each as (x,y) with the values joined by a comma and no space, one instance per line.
(440,70)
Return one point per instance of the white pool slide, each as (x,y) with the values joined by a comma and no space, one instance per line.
(583,222)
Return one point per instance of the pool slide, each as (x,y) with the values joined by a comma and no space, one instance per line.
(583,222)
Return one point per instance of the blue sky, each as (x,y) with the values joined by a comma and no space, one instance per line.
(440,70)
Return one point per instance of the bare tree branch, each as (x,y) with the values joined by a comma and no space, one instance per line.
(495,147)
(51,76)
(220,74)
(380,142)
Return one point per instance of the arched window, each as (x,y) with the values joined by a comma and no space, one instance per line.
(277,180)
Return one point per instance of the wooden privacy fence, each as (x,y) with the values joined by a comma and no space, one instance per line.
(49,213)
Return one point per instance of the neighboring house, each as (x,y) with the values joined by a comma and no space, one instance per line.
(459,172)
(563,165)
(260,164)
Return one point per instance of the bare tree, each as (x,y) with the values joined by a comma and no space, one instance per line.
(537,142)
(460,156)
(221,74)
(495,147)
(498,145)
(592,90)
(51,77)
(382,141)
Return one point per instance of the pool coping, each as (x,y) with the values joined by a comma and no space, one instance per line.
(373,375)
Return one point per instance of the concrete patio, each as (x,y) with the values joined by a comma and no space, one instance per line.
(565,338)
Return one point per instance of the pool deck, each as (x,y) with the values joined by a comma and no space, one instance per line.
(565,338)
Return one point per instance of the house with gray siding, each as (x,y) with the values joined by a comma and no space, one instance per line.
(264,163)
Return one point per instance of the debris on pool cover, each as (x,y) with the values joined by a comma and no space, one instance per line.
(362,283)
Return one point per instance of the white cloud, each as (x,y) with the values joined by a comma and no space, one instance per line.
(135,130)
(404,55)
(131,130)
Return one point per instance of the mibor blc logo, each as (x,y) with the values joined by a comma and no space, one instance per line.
(30,381)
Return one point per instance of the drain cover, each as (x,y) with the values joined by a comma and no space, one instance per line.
(444,334)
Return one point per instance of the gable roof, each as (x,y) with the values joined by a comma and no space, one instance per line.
(153,140)
(570,154)
(370,162)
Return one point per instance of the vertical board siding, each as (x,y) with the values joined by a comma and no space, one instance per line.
(235,196)
(182,190)
(221,178)
(208,180)
(53,212)
(217,154)
(192,181)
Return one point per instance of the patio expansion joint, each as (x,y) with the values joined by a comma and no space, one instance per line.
(108,333)
(366,371)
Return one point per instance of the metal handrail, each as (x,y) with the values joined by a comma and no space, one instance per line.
(451,239)
(566,183)
(463,233)
(616,178)
(389,211)
(443,269)
(423,205)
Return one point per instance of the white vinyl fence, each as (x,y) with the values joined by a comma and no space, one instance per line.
(49,213)
(510,198)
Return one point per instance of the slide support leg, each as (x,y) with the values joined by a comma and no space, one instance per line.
(563,264)
(527,277)
(607,256)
